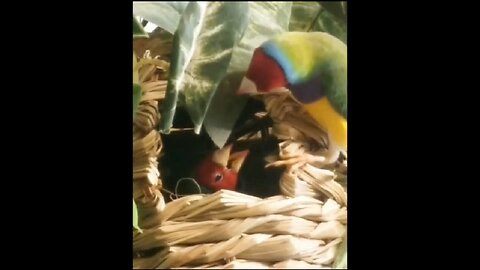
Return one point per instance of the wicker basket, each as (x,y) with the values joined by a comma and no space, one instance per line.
(304,227)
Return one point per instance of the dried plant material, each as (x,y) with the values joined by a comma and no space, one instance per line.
(155,62)
(175,233)
(153,220)
(199,254)
(244,249)
(149,208)
(158,43)
(225,204)
(278,229)
(217,201)
(326,254)
(291,121)
(147,143)
(147,116)
(302,151)
(246,264)
(291,186)
(152,261)
(231,264)
(280,248)
(154,90)
(323,181)
(328,230)
(145,72)
(296,264)
(177,205)
(215,265)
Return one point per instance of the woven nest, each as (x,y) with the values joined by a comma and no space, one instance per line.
(304,227)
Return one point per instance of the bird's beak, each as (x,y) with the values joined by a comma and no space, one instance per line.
(224,157)
(221,156)
(247,87)
(237,159)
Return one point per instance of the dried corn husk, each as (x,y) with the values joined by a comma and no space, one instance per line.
(207,229)
(304,142)
(147,143)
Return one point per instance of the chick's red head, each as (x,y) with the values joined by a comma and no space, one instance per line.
(220,169)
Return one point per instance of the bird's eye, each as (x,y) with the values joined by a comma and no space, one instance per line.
(218,177)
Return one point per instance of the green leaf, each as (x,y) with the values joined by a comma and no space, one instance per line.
(266,20)
(138,29)
(135,217)
(163,14)
(336,8)
(327,22)
(312,16)
(137,95)
(303,15)
(203,47)
(341,261)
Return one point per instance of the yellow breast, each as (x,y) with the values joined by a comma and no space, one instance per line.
(335,124)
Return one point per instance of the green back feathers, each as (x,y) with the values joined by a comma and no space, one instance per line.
(305,56)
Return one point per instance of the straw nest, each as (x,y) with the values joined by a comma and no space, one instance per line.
(147,143)
(304,227)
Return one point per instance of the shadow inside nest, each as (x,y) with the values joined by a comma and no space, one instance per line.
(183,150)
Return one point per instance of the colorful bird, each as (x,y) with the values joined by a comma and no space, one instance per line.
(313,66)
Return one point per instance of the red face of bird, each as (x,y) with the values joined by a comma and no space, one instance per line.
(220,170)
(263,76)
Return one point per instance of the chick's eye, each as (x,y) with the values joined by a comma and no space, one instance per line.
(218,177)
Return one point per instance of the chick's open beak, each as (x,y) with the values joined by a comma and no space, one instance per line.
(221,156)
(237,160)
(224,157)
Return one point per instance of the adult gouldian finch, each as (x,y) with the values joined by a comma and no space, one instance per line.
(313,66)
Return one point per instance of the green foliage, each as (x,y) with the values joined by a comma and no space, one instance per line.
(341,261)
(138,32)
(212,47)
(266,19)
(135,217)
(320,16)
(203,46)
(163,14)
(138,29)
(137,95)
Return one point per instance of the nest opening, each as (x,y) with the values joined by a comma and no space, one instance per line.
(304,226)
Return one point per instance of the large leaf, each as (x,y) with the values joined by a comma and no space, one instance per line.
(138,29)
(312,16)
(135,217)
(163,14)
(266,19)
(137,90)
(137,95)
(203,46)
(336,8)
(341,260)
